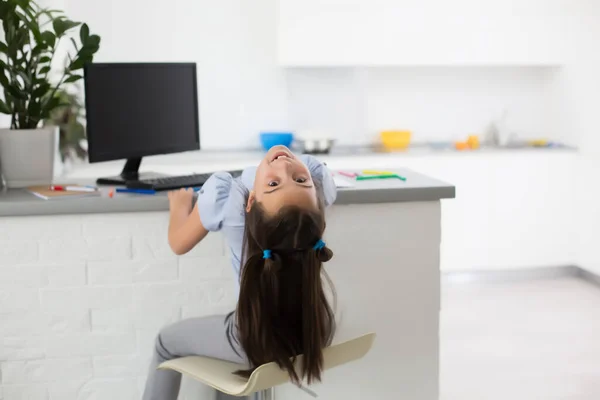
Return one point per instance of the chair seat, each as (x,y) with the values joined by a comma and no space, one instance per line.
(219,374)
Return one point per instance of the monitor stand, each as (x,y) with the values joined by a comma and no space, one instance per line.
(129,173)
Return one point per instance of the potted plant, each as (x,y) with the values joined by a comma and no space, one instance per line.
(28,151)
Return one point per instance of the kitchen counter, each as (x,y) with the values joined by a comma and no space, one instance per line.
(417,187)
(90,281)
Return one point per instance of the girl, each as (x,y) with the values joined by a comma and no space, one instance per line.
(273,220)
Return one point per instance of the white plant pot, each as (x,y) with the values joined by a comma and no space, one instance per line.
(29,156)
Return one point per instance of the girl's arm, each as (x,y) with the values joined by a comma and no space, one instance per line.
(185,227)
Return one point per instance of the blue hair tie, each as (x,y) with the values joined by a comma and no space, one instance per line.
(319,245)
(266,254)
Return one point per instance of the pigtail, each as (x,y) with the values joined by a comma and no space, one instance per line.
(325,254)
(258,315)
(282,309)
(270,278)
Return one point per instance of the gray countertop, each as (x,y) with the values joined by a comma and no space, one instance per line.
(417,187)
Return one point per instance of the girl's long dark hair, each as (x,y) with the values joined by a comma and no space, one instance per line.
(283,310)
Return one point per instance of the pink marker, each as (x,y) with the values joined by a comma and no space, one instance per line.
(348,174)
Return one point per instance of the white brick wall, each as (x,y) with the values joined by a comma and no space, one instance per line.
(83,297)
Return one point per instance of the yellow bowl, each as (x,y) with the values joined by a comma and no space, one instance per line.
(395,140)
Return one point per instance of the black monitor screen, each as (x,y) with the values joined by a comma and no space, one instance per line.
(136,110)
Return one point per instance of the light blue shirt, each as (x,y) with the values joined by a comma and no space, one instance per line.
(222,202)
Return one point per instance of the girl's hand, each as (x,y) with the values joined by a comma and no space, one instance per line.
(181,200)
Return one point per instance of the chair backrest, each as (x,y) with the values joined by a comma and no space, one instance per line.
(269,375)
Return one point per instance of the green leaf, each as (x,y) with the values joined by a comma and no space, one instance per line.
(45,59)
(85,53)
(41,90)
(4,10)
(31,25)
(3,79)
(84,33)
(34,109)
(37,50)
(93,41)
(59,27)
(77,64)
(17,38)
(3,47)
(25,77)
(62,25)
(23,3)
(74,44)
(50,12)
(49,38)
(45,70)
(73,78)
(30,12)
(16,92)
(4,109)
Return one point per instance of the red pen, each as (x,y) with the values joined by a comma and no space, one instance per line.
(58,188)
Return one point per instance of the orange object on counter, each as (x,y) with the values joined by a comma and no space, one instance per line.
(395,140)
(473,141)
(111,193)
(461,145)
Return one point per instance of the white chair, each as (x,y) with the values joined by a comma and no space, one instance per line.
(219,374)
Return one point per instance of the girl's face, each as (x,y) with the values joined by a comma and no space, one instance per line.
(282,179)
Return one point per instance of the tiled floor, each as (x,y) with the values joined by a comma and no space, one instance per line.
(533,340)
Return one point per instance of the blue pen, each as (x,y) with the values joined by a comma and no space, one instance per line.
(136,191)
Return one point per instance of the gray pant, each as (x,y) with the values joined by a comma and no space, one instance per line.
(204,336)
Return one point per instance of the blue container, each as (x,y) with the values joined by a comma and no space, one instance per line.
(270,139)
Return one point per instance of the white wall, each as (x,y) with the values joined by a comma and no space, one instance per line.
(435,103)
(583,91)
(427,32)
(241,90)
(329,100)
(4,121)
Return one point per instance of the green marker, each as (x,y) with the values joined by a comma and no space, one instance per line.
(385,176)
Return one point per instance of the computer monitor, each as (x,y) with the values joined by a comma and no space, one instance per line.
(140,109)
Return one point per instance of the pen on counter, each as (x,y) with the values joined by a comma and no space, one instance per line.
(136,191)
(373,172)
(385,176)
(59,188)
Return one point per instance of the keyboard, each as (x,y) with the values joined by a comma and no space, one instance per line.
(174,182)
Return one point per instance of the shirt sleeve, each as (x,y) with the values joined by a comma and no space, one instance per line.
(321,174)
(212,199)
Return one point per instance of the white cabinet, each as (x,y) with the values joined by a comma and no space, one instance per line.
(513,209)
(402,32)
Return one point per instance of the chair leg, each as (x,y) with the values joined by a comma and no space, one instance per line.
(267,394)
